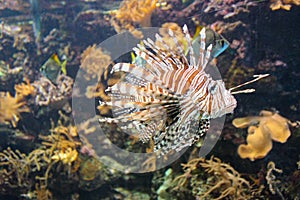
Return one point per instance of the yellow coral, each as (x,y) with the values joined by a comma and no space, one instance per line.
(11,108)
(283,4)
(94,62)
(133,12)
(67,156)
(259,144)
(262,130)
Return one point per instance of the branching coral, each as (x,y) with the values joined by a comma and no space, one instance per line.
(283,4)
(262,130)
(271,179)
(14,171)
(11,108)
(62,144)
(58,153)
(7,74)
(59,150)
(55,96)
(227,178)
(228,8)
(223,181)
(131,13)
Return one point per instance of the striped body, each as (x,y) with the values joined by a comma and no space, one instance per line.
(170,99)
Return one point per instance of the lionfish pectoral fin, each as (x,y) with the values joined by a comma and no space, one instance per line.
(149,131)
(181,135)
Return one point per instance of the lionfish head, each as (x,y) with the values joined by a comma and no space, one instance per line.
(222,101)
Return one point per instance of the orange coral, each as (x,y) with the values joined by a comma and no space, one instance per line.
(96,65)
(283,4)
(259,144)
(134,12)
(138,11)
(262,130)
(97,91)
(10,108)
(25,89)
(94,62)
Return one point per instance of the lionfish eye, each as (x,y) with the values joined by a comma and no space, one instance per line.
(212,88)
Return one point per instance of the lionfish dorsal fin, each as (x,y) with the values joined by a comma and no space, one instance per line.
(202,48)
(207,56)
(169,51)
(179,48)
(156,62)
(139,72)
(190,47)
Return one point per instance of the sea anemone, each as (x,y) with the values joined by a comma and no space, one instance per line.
(11,108)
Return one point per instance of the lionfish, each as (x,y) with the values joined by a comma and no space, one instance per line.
(171,99)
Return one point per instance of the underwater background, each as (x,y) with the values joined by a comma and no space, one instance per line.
(46,45)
